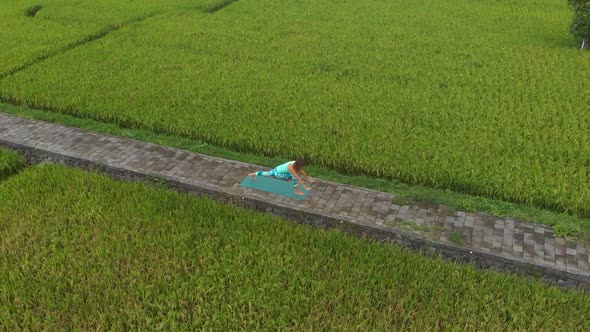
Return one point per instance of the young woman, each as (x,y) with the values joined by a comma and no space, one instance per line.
(291,170)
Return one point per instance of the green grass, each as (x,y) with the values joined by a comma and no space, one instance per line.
(10,163)
(488,99)
(564,224)
(80,251)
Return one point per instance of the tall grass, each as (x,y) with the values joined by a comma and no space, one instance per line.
(10,163)
(80,251)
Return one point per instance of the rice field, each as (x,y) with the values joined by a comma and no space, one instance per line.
(33,29)
(485,98)
(80,251)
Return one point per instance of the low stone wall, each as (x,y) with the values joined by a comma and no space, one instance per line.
(376,232)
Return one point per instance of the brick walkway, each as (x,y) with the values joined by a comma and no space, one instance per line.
(505,238)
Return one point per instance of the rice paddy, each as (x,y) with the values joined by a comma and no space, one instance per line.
(80,251)
(478,97)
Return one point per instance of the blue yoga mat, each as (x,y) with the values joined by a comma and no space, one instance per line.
(273,185)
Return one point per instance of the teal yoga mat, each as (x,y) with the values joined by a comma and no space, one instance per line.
(273,185)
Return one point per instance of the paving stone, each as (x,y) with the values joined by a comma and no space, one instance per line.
(391,217)
(506,245)
(469,220)
(449,223)
(411,213)
(467,235)
(549,250)
(384,210)
(581,248)
(459,222)
(477,237)
(487,239)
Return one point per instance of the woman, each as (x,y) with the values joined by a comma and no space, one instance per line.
(291,170)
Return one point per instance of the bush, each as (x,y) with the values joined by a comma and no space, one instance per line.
(580,27)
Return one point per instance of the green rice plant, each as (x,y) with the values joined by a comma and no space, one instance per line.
(487,99)
(10,163)
(80,251)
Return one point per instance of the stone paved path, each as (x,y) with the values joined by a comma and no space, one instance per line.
(502,237)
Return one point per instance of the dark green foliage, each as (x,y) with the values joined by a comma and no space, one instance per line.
(578,3)
(32,11)
(580,27)
(219,5)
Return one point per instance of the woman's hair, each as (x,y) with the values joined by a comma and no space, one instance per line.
(299,163)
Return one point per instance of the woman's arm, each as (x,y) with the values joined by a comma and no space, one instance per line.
(295,173)
(307,176)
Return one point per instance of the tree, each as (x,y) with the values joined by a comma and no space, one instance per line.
(580,27)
